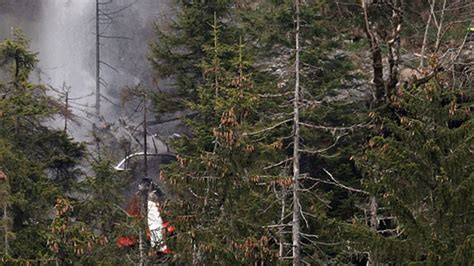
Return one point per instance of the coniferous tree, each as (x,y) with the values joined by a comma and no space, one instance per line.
(420,169)
(70,240)
(267,136)
(99,208)
(220,209)
(178,51)
(321,75)
(40,162)
(327,116)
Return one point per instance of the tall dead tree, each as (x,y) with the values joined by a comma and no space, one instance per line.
(299,189)
(425,37)
(376,53)
(296,186)
(393,44)
(69,107)
(105,16)
(97,63)
(296,230)
(389,28)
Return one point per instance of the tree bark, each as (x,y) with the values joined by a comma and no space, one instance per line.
(145,133)
(66,107)
(373,207)
(394,48)
(281,249)
(97,63)
(425,40)
(440,27)
(376,53)
(296,247)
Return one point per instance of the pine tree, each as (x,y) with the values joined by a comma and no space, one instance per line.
(325,117)
(71,240)
(218,205)
(419,168)
(99,211)
(40,162)
(178,51)
(268,124)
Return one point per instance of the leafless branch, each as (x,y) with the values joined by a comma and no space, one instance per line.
(323,149)
(122,9)
(267,129)
(107,64)
(114,37)
(342,185)
(333,129)
(276,225)
(267,95)
(302,214)
(278,164)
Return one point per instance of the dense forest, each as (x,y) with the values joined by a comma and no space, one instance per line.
(311,132)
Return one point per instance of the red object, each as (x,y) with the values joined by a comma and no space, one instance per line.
(166,251)
(133,208)
(126,241)
(148,234)
(169,228)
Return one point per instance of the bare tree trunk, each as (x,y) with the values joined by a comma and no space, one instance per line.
(296,248)
(281,250)
(97,62)
(103,16)
(394,48)
(144,190)
(376,52)
(440,27)
(143,195)
(425,40)
(97,78)
(145,133)
(373,226)
(66,107)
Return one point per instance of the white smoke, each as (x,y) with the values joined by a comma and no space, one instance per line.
(65,41)
(62,31)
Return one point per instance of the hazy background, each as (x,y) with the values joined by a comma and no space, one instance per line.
(62,32)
